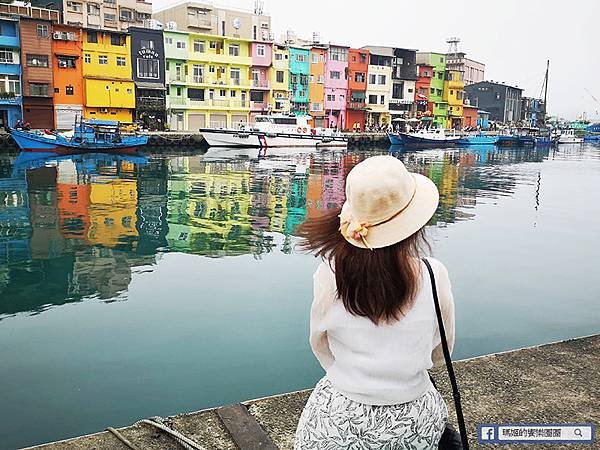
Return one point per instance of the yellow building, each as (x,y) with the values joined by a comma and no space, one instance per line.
(454,94)
(279,74)
(209,80)
(109,92)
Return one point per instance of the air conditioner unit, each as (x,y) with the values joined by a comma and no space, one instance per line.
(56,35)
(103,110)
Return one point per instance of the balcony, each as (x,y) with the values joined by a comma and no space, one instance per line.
(259,106)
(260,84)
(9,98)
(356,104)
(202,23)
(216,103)
(150,102)
(9,41)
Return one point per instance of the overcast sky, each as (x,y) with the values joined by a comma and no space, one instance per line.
(514,38)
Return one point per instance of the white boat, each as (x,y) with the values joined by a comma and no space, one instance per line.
(426,138)
(274,130)
(569,137)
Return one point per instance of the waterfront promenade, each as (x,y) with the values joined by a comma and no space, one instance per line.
(552,383)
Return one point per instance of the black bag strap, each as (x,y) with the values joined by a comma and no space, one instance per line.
(455,392)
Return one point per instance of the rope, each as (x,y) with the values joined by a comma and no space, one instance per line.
(160,423)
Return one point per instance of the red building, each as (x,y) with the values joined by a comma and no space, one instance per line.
(422,86)
(469,116)
(358,64)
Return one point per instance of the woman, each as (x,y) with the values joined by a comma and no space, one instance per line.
(373,326)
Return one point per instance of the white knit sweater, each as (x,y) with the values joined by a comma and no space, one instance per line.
(380,364)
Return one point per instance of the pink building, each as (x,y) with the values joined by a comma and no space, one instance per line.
(262,55)
(336,86)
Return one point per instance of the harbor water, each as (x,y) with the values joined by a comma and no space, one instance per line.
(154,285)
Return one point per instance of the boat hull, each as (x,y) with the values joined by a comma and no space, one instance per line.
(395,139)
(41,143)
(416,141)
(233,138)
(478,140)
(570,140)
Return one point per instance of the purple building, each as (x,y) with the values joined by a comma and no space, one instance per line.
(336,86)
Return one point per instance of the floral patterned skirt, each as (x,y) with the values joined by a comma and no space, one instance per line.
(331,421)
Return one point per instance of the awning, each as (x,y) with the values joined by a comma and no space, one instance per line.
(358,95)
(149,85)
(426,118)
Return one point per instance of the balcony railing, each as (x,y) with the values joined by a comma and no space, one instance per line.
(259,105)
(356,104)
(204,23)
(198,79)
(260,83)
(236,81)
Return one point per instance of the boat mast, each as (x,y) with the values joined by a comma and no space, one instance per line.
(546,90)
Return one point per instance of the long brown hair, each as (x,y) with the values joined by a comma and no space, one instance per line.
(378,284)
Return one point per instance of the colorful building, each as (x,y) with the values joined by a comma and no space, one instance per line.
(67,63)
(208,80)
(336,86)
(38,86)
(437,105)
(109,91)
(379,85)
(422,90)
(298,87)
(148,73)
(279,74)
(316,85)
(454,95)
(260,92)
(469,119)
(10,72)
(114,15)
(404,77)
(358,66)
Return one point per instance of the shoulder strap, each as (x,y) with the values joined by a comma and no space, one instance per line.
(455,392)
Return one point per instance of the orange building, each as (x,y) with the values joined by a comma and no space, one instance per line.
(358,64)
(68,75)
(469,116)
(316,85)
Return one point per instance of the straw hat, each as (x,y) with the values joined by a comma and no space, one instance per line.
(385,203)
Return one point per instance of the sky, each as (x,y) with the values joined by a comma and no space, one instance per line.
(513,38)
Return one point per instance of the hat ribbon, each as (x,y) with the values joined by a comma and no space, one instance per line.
(357,230)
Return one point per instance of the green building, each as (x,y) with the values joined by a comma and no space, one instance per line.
(437,105)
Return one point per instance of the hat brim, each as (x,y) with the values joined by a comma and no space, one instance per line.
(408,222)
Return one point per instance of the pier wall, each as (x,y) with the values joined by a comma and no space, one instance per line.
(547,384)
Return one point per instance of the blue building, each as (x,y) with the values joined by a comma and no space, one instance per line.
(10,72)
(299,79)
(483,119)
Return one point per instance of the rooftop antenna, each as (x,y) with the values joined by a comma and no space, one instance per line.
(259,7)
(453,45)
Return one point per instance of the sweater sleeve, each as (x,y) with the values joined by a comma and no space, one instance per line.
(446,300)
(323,298)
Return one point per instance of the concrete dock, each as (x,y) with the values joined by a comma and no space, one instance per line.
(553,383)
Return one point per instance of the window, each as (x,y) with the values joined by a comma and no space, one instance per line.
(334,75)
(440,75)
(439,91)
(321,79)
(93,10)
(92,37)
(300,57)
(110,17)
(304,79)
(66,62)
(199,46)
(398,90)
(115,39)
(42,31)
(279,76)
(338,54)
(212,44)
(381,79)
(37,61)
(314,58)
(278,56)
(87,58)
(256,96)
(181,44)
(147,43)
(194,94)
(10,84)
(126,15)
(178,91)
(69,90)
(38,89)
(232,93)
(330,98)
(372,79)
(312,78)
(373,99)
(234,50)
(121,61)
(102,59)
(432,91)
(451,92)
(6,55)
(301,93)
(197,73)
(222,93)
(211,69)
(74,6)
(260,50)
(235,75)
(359,77)
(363,58)
(382,100)
(169,41)
(497,95)
(129,91)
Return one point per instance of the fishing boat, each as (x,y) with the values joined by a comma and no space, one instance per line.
(437,137)
(569,137)
(591,138)
(275,130)
(478,139)
(88,135)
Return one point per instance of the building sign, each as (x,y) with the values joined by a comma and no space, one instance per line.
(148,53)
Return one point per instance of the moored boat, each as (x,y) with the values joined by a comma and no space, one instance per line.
(87,136)
(275,130)
(395,139)
(569,137)
(428,138)
(478,139)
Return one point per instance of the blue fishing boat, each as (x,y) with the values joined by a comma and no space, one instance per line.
(478,139)
(395,139)
(507,140)
(591,138)
(87,136)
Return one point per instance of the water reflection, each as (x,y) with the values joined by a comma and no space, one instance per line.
(76,227)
